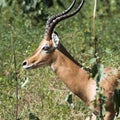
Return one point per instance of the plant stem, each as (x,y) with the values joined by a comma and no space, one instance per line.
(15,74)
(95,56)
(16,88)
(94,30)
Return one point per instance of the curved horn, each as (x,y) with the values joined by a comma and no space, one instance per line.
(51,23)
(54,17)
(50,20)
(60,14)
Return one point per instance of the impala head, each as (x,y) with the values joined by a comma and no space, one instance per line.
(44,54)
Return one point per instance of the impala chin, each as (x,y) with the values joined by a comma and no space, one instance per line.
(28,67)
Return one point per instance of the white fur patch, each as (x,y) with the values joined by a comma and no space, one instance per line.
(55,40)
(52,67)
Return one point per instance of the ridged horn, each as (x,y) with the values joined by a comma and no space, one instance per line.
(52,22)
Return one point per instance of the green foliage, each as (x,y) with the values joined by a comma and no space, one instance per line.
(33,9)
(117,101)
(40,93)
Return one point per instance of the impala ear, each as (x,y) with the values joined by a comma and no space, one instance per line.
(55,39)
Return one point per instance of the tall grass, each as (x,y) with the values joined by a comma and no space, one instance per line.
(40,92)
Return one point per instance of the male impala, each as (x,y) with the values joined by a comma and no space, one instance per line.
(51,52)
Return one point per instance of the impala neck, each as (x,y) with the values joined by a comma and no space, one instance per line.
(67,54)
(70,72)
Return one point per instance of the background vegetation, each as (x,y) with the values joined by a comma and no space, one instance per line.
(39,94)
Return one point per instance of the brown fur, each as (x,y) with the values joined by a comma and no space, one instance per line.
(75,77)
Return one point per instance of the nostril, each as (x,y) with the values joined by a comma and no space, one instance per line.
(24,63)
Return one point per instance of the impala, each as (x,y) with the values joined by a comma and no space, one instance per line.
(51,52)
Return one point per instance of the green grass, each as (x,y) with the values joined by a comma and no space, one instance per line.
(41,93)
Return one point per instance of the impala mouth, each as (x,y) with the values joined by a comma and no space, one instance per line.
(33,66)
(28,67)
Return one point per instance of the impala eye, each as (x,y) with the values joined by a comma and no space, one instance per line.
(46,48)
